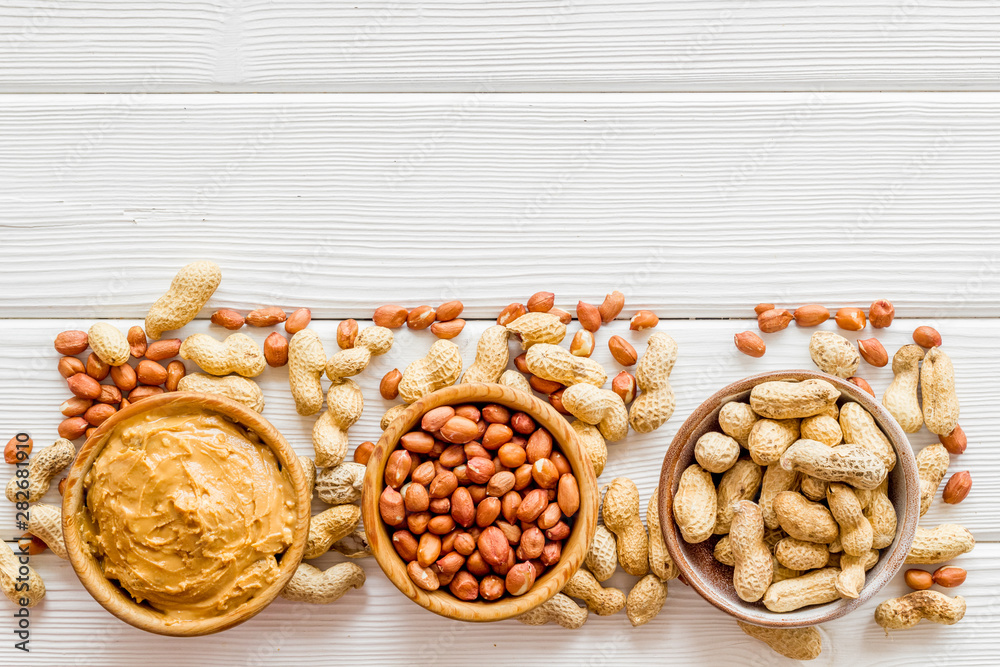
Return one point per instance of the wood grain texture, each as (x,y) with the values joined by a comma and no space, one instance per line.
(693,205)
(529,45)
(68,624)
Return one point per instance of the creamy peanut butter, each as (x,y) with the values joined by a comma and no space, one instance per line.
(187,513)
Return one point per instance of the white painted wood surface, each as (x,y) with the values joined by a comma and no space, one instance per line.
(527,45)
(689,629)
(652,147)
(700,205)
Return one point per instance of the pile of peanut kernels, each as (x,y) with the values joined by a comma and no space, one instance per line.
(481,501)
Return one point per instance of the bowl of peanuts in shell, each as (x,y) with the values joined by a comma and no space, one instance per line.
(479,503)
(791,498)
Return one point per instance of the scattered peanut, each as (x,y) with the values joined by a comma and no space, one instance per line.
(926,337)
(811,315)
(371,342)
(438,369)
(940,544)
(238,353)
(956,441)
(45,523)
(44,466)
(834,354)
(315,586)
(340,484)
(642,320)
(775,319)
(794,643)
(932,464)
(532,328)
(905,612)
(344,404)
(621,516)
(306,363)
(937,388)
(749,344)
(645,600)
(276,350)
(20,583)
(234,387)
(600,407)
(918,580)
(492,355)
(600,600)
(554,363)
(881,313)
(957,488)
(900,399)
(949,577)
(189,291)
(655,405)
(109,344)
(660,562)
(329,526)
(559,609)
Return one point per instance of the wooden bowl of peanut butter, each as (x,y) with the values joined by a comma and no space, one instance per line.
(185,514)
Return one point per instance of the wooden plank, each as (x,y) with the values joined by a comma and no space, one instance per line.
(530,45)
(693,205)
(32,391)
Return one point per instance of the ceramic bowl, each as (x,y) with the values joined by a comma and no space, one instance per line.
(574,549)
(113,597)
(713,580)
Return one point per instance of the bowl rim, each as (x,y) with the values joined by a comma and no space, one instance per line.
(441,602)
(893,557)
(118,601)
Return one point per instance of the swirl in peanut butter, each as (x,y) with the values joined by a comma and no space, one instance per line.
(187,513)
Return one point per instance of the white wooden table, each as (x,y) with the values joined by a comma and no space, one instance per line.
(700,156)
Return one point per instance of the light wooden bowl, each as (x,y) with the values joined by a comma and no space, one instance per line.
(118,601)
(713,580)
(575,548)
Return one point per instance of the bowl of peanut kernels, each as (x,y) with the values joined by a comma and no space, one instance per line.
(479,503)
(771,517)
